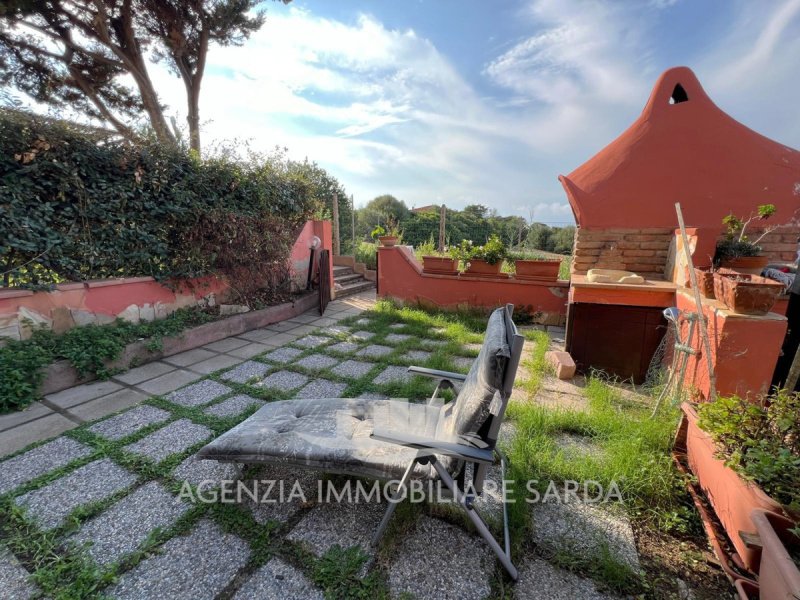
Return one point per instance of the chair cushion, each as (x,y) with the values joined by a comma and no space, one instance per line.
(464,417)
(330,434)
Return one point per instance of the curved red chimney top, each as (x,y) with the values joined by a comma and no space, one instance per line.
(683,148)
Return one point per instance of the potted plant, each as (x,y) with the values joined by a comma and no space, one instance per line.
(485,260)
(537,269)
(389,236)
(779,569)
(746,294)
(441,264)
(735,251)
(746,456)
(705,281)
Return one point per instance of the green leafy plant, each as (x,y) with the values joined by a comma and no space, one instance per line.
(493,251)
(759,440)
(377,232)
(735,244)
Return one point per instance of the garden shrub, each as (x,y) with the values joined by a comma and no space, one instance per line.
(78,204)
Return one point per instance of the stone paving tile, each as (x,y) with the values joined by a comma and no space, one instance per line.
(539,579)
(325,321)
(33,411)
(246,371)
(372,396)
(17,438)
(92,482)
(316,362)
(278,580)
(322,388)
(375,351)
(209,473)
(397,326)
(167,383)
(462,363)
(283,355)
(256,335)
(305,318)
(197,566)
(353,369)
(342,523)
(363,321)
(82,393)
(233,406)
(343,347)
(302,330)
(101,407)
(283,380)
(129,422)
(50,456)
(282,326)
(362,335)
(250,350)
(397,338)
(585,530)
(418,355)
(215,363)
(291,491)
(462,563)
(392,374)
(122,528)
(14,578)
(190,357)
(336,331)
(225,345)
(145,372)
(311,341)
(434,343)
(175,437)
(279,339)
(199,393)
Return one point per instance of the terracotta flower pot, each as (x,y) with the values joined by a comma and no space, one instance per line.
(705,281)
(541,270)
(746,294)
(481,267)
(778,575)
(388,240)
(732,498)
(440,265)
(748,263)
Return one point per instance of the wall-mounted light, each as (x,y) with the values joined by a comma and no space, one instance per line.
(314,243)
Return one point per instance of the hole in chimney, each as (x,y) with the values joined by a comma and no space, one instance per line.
(678,95)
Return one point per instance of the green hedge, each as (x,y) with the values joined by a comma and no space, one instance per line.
(78,205)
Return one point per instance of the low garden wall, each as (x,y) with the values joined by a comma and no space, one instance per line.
(400,277)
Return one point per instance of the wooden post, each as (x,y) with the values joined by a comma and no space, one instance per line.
(794,373)
(336,247)
(442,215)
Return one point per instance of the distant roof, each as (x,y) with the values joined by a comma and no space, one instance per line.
(683,148)
(426,208)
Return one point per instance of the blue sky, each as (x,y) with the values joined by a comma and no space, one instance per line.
(459,102)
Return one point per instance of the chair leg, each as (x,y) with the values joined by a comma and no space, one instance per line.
(393,504)
(503,556)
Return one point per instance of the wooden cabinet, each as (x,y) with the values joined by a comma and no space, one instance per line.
(620,340)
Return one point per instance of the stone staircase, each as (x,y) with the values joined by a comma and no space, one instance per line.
(347,282)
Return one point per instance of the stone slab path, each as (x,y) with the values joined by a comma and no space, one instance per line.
(118,492)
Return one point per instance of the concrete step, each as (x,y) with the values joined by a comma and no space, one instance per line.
(354,288)
(341,270)
(350,278)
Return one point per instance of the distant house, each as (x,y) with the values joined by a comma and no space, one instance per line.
(426,208)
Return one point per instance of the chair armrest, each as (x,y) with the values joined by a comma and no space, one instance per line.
(436,374)
(409,440)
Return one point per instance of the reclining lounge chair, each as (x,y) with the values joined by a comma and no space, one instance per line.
(396,440)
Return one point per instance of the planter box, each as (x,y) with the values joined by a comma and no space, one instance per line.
(732,498)
(388,240)
(440,265)
(538,270)
(746,294)
(482,268)
(705,281)
(778,575)
(747,263)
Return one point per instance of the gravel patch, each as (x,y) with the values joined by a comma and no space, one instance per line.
(316,362)
(285,381)
(233,406)
(397,338)
(172,439)
(392,374)
(296,487)
(363,321)
(435,343)
(353,369)
(540,579)
(343,347)
(283,355)
(374,351)
(462,564)
(199,393)
(124,526)
(362,335)
(373,396)
(93,482)
(342,524)
(311,341)
(418,355)
(129,422)
(209,473)
(336,331)
(462,363)
(50,456)
(14,578)
(278,580)
(246,371)
(197,566)
(397,326)
(322,388)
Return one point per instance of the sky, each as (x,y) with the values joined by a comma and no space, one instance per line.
(466,101)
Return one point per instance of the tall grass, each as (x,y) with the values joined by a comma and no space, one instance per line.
(366,252)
